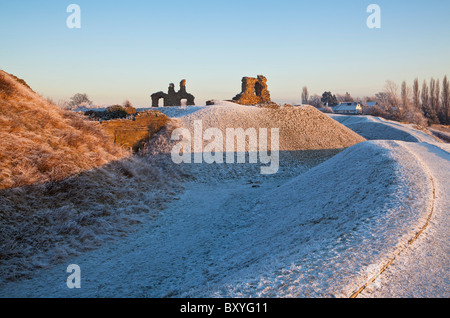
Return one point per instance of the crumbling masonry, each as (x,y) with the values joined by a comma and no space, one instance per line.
(254,91)
(173,98)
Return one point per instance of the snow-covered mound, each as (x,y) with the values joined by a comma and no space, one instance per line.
(321,233)
(300,128)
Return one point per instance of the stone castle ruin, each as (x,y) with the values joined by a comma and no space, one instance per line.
(254,91)
(173,98)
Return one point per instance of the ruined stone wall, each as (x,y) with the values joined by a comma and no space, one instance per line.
(135,133)
(254,91)
(173,98)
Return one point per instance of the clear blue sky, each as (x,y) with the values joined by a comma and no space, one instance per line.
(130,49)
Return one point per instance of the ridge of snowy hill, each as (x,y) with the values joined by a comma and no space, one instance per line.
(423,269)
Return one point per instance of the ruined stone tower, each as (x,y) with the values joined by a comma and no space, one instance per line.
(254,91)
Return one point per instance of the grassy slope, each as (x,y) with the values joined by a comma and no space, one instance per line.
(40,142)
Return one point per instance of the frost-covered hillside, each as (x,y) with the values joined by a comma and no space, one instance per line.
(324,226)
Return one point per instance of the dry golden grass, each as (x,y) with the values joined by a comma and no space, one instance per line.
(39,142)
(443,128)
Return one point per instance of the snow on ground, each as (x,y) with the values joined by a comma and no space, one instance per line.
(316,229)
(299,127)
(377,128)
(311,235)
(175,111)
(334,223)
(423,270)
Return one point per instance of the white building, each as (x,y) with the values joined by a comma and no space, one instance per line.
(348,108)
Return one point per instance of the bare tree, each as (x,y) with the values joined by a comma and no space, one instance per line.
(382,98)
(316,101)
(391,93)
(64,104)
(127,103)
(405,96)
(413,104)
(128,107)
(427,109)
(347,98)
(425,97)
(416,94)
(305,95)
(445,102)
(432,94)
(391,89)
(407,110)
(437,100)
(79,100)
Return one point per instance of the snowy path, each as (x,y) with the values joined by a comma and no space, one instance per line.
(174,252)
(377,128)
(423,269)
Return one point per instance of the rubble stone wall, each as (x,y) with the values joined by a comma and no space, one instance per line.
(254,91)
